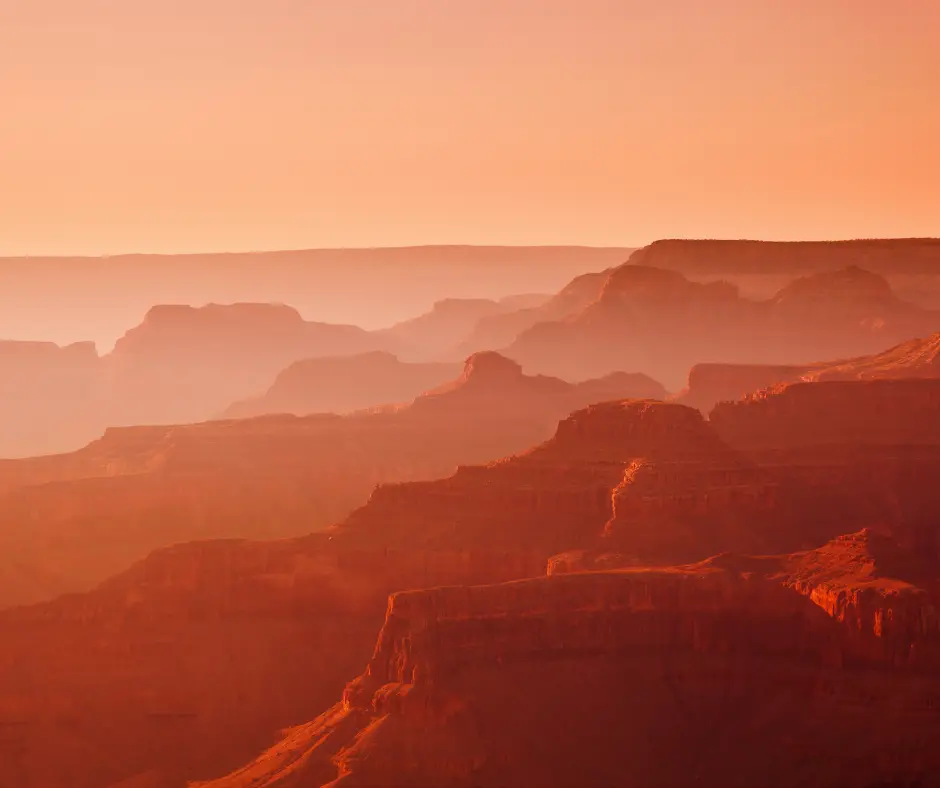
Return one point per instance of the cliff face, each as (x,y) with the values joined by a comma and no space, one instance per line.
(710,384)
(186,364)
(340,384)
(49,396)
(619,484)
(658,321)
(885,412)
(728,673)
(554,496)
(138,489)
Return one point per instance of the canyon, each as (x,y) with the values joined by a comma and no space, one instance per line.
(521,683)
(186,364)
(72,520)
(621,488)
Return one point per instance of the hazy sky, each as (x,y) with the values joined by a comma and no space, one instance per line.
(164,125)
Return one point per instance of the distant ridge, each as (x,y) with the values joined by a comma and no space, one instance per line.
(47,297)
(719,256)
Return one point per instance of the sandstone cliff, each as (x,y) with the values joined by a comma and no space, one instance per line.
(710,384)
(194,633)
(858,413)
(141,488)
(712,672)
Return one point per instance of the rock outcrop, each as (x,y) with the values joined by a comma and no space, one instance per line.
(710,384)
(340,384)
(141,488)
(853,413)
(815,668)
(619,484)
(186,364)
(658,321)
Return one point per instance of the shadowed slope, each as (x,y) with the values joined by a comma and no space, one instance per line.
(777,671)
(72,520)
(499,330)
(194,633)
(659,321)
(433,335)
(339,384)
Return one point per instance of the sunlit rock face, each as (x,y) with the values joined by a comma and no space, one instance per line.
(709,384)
(629,486)
(735,659)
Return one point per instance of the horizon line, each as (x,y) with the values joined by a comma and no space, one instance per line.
(454,246)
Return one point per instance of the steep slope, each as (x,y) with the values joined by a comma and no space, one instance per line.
(71,521)
(855,413)
(661,322)
(340,384)
(194,634)
(185,364)
(710,384)
(778,671)
(499,330)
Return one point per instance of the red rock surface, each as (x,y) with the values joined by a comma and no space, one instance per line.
(315,604)
(710,384)
(736,671)
(856,413)
(73,520)
(658,321)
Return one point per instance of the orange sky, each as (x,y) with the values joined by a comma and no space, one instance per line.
(170,125)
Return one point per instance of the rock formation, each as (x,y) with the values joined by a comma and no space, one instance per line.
(499,330)
(659,321)
(852,413)
(48,395)
(735,671)
(185,364)
(369,287)
(710,384)
(141,488)
(340,384)
(764,646)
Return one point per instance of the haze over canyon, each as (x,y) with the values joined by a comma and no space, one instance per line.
(422,394)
